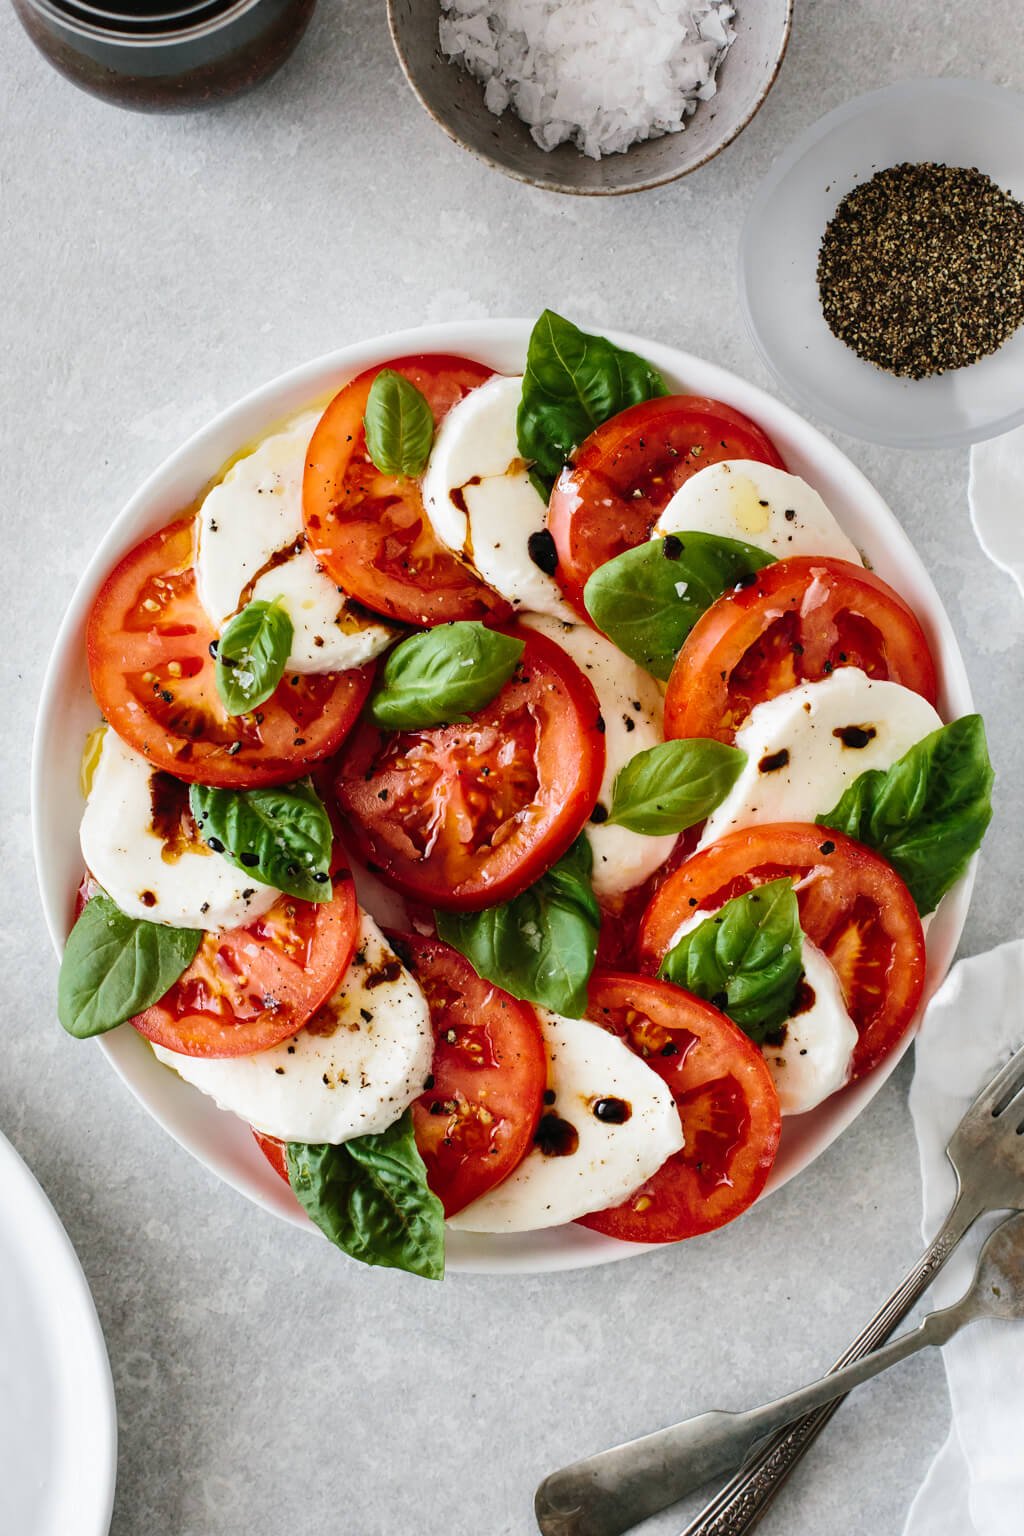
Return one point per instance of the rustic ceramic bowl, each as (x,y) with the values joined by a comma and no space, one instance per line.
(456,103)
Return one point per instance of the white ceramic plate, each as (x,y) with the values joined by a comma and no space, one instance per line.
(58,1425)
(67,711)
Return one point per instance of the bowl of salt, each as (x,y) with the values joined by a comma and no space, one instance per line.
(593,97)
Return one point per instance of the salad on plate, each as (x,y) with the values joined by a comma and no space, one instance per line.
(513,797)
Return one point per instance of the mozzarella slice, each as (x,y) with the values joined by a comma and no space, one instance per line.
(139,841)
(481,502)
(251,547)
(762,505)
(808,744)
(609,1161)
(809,1057)
(351,1071)
(632,709)
(812,1058)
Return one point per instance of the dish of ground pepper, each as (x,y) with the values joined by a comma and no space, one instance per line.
(921,269)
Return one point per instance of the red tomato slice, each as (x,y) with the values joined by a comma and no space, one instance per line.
(152,672)
(628,470)
(621,915)
(726,1100)
(274,1151)
(370,529)
(252,987)
(88,886)
(853,906)
(476,1121)
(796,622)
(466,816)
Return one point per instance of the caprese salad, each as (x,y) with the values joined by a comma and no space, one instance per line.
(513,797)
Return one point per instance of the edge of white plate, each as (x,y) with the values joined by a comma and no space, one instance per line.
(95,1477)
(179,1109)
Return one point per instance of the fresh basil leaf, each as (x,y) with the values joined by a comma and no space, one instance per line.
(115,967)
(443,675)
(280,835)
(673,786)
(251,656)
(747,959)
(927,814)
(573,382)
(399,425)
(649,598)
(541,945)
(370,1198)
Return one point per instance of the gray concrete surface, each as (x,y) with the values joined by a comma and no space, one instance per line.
(152,271)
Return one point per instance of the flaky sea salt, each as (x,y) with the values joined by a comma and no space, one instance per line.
(601,74)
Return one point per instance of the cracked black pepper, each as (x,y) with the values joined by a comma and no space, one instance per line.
(921,269)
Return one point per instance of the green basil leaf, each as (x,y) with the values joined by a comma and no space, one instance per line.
(280,835)
(573,382)
(443,675)
(251,656)
(541,945)
(399,425)
(673,786)
(370,1198)
(115,966)
(649,598)
(927,814)
(747,959)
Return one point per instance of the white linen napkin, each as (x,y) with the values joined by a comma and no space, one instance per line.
(995,495)
(975,1486)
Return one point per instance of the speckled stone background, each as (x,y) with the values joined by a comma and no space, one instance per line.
(153,270)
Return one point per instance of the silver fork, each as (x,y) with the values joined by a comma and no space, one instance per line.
(610,1493)
(713,1442)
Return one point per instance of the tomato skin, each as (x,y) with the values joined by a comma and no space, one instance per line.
(295,954)
(727,1104)
(796,622)
(87,889)
(153,675)
(476,1122)
(627,471)
(465,816)
(274,1151)
(369,529)
(853,906)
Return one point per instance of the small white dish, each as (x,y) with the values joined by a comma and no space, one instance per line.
(58,1422)
(67,711)
(952,122)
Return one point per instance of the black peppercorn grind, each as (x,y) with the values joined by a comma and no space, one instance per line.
(921,269)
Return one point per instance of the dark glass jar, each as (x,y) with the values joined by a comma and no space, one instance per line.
(165,55)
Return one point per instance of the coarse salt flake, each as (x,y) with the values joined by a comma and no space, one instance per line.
(601,74)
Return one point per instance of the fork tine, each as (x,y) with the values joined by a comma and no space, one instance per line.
(1003,1088)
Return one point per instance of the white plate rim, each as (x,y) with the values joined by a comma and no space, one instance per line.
(181,1110)
(64,1291)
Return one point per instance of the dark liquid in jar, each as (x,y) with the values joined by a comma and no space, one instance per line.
(165,55)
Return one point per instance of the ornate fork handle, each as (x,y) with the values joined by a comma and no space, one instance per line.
(741,1503)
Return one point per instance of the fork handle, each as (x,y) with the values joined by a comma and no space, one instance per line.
(609,1494)
(738,1506)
